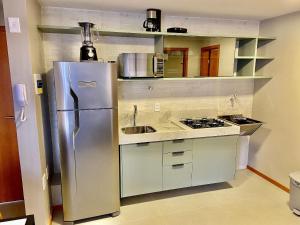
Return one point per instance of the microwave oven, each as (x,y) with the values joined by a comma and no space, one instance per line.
(141,65)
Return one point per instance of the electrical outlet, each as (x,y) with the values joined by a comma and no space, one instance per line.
(156,107)
(44,180)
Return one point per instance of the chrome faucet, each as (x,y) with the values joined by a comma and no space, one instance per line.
(134,114)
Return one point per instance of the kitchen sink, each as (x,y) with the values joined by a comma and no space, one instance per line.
(247,126)
(138,130)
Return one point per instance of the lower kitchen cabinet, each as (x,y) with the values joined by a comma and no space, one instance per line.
(214,160)
(141,168)
(177,176)
(157,166)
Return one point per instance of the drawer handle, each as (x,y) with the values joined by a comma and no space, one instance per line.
(176,166)
(177,153)
(178,141)
(143,144)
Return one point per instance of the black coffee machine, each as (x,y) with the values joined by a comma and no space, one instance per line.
(153,21)
(87,51)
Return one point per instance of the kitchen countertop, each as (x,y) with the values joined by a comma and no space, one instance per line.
(173,129)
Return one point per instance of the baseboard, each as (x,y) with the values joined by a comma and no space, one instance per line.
(272,181)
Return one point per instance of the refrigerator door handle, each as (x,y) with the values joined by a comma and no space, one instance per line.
(76,109)
(76,127)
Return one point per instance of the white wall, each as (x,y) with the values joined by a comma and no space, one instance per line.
(275,147)
(133,21)
(182,99)
(23,50)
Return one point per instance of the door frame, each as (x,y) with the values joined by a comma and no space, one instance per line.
(209,48)
(185,58)
(15,193)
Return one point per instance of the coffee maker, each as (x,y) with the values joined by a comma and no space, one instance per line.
(87,51)
(153,21)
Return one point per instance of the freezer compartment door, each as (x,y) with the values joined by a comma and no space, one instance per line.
(90,176)
(85,85)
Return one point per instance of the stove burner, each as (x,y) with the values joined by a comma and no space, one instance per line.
(203,123)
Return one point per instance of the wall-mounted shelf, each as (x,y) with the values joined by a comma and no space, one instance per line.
(264,58)
(127,33)
(251,56)
(245,47)
(195,78)
(244,57)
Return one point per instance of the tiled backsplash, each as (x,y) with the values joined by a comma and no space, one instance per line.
(181,99)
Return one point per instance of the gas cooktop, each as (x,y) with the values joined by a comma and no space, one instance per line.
(204,123)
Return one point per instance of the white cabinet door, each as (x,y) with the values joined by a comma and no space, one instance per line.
(141,168)
(214,160)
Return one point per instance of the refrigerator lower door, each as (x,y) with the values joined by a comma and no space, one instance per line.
(89,163)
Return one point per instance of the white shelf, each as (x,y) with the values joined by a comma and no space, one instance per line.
(194,78)
(264,57)
(245,57)
(254,57)
(127,33)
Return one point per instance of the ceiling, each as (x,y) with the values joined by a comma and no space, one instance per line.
(236,9)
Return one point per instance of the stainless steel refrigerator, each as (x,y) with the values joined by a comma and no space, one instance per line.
(85,131)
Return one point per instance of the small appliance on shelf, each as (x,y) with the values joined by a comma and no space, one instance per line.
(153,21)
(177,30)
(87,51)
(141,65)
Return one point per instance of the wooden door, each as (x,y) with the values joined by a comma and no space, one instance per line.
(209,62)
(214,62)
(204,64)
(177,63)
(10,172)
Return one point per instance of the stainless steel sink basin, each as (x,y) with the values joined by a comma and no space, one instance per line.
(247,126)
(138,130)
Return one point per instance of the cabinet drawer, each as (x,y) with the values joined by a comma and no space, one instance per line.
(177,157)
(177,176)
(178,145)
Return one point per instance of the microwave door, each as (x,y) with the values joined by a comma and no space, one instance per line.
(142,64)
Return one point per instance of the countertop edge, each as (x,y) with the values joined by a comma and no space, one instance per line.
(125,139)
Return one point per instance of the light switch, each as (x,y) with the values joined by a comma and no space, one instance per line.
(14,24)
(38,84)
(156,107)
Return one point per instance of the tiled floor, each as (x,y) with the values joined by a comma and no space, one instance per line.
(248,200)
